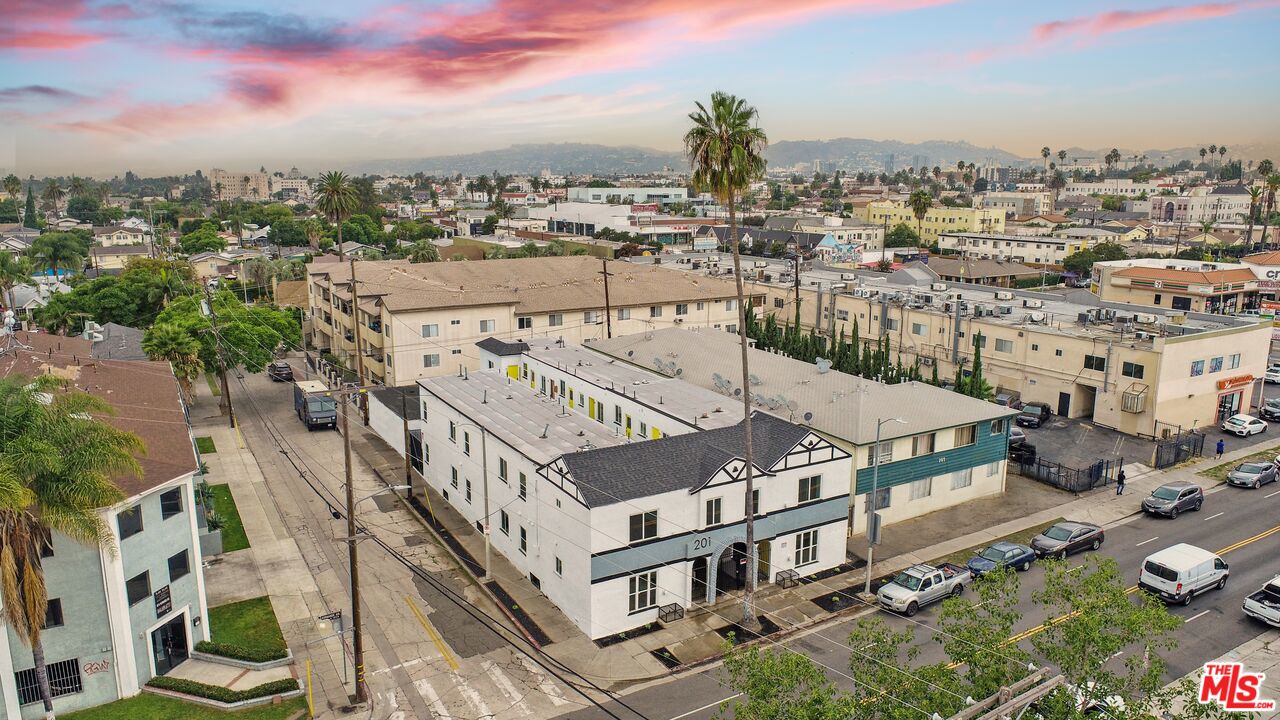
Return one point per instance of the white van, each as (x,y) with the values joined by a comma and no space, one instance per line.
(1181,572)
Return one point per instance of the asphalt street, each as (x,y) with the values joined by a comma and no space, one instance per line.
(1241,524)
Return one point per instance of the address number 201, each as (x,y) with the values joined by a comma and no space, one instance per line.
(701,543)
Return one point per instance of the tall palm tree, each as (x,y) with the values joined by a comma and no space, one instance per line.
(1062,156)
(1272,185)
(217,189)
(1222,152)
(1203,152)
(920,202)
(13,270)
(1213,149)
(1255,197)
(1045,152)
(57,250)
(77,187)
(166,341)
(52,195)
(57,460)
(503,210)
(336,198)
(725,147)
(13,186)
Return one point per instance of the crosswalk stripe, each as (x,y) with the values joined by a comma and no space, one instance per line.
(437,705)
(545,684)
(473,697)
(504,685)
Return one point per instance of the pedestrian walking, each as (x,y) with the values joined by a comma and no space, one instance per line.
(1120,482)
(1221,447)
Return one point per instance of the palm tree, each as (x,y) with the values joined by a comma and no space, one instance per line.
(1203,152)
(166,341)
(726,153)
(56,464)
(217,189)
(920,202)
(13,186)
(13,270)
(1264,168)
(336,199)
(52,195)
(503,210)
(1222,152)
(1062,156)
(1255,196)
(1213,149)
(1273,185)
(424,251)
(77,187)
(1045,152)
(58,250)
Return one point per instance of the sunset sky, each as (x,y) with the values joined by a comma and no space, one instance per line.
(156,86)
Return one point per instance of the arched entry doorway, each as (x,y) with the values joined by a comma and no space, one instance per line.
(725,570)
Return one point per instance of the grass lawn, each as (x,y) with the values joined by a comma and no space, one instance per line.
(233,537)
(249,624)
(1022,538)
(1218,473)
(154,707)
(212,380)
(205,445)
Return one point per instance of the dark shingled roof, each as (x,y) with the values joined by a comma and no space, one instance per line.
(498,347)
(680,462)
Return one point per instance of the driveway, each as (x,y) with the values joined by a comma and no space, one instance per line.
(1079,443)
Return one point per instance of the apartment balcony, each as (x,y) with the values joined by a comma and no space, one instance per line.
(376,326)
(373,338)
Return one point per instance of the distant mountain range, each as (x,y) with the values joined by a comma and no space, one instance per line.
(849,154)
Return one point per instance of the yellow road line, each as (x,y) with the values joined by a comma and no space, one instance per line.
(1031,632)
(431,631)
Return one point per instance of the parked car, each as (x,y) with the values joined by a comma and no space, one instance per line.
(1272,375)
(920,585)
(1172,498)
(1265,603)
(999,555)
(1179,573)
(1062,539)
(1270,409)
(1244,425)
(1017,435)
(1253,474)
(1034,414)
(1023,453)
(280,371)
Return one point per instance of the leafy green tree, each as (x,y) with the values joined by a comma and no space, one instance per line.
(30,218)
(725,147)
(489,225)
(85,209)
(205,239)
(14,270)
(902,236)
(781,685)
(974,634)
(287,233)
(976,385)
(57,460)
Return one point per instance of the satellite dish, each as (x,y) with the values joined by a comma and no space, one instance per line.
(808,416)
(792,405)
(679,372)
(630,353)
(737,392)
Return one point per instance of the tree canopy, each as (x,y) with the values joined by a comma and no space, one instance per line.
(250,334)
(204,239)
(132,298)
(1082,262)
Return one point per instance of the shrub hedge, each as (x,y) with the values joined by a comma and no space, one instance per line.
(221,694)
(240,653)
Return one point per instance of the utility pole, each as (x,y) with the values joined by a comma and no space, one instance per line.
(608,312)
(357,631)
(355,329)
(222,363)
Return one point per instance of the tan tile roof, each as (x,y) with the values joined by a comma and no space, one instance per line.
(1263,258)
(532,285)
(950,267)
(291,293)
(143,393)
(1211,276)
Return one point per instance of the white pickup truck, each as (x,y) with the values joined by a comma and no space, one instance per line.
(1265,604)
(920,585)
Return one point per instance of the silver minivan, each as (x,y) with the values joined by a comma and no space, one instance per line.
(1180,572)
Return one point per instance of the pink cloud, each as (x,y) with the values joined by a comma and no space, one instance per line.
(49,26)
(46,40)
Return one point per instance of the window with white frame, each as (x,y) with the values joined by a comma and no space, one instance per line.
(487,326)
(961,478)
(590,317)
(524,541)
(555,319)
(810,488)
(1004,346)
(643,526)
(524,487)
(993,468)
(453,477)
(882,456)
(642,591)
(918,329)
(524,323)
(1234,362)
(806,548)
(624,313)
(713,511)
(502,469)
(468,489)
(702,306)
(655,311)
(997,426)
(504,522)
(431,360)
(966,435)
(921,488)
(682,308)
(559,566)
(432,330)
(730,304)
(890,323)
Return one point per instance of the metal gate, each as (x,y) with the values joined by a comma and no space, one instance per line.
(1071,479)
(1178,448)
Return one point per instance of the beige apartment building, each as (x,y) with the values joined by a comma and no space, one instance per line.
(239,185)
(1139,370)
(1188,285)
(1038,249)
(419,320)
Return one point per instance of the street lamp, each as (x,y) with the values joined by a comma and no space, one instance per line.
(873,524)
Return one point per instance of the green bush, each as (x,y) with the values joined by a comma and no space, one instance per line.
(221,694)
(236,652)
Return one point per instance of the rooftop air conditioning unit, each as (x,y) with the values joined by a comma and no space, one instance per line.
(1004,295)
(1005,309)
(1142,335)
(926,361)
(1032,302)
(926,299)
(1037,317)
(949,306)
(955,295)
(938,286)
(1106,314)
(1145,318)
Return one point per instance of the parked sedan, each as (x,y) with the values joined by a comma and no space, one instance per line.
(1001,554)
(1033,415)
(1017,434)
(280,371)
(1270,409)
(1252,474)
(1065,538)
(1022,452)
(1272,375)
(1172,498)
(1244,425)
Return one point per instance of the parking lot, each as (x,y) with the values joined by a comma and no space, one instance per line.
(1079,443)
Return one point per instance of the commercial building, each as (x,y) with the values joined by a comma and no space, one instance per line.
(120,615)
(1187,285)
(629,195)
(588,218)
(1039,249)
(619,491)
(949,449)
(940,219)
(1016,203)
(228,185)
(996,273)
(422,319)
(1112,186)
(1221,204)
(1139,370)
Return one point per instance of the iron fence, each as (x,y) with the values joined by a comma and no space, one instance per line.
(1177,448)
(1071,479)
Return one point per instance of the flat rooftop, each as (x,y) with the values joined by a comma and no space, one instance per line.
(518,416)
(841,405)
(674,396)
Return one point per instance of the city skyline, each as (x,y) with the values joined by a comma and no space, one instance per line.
(168,87)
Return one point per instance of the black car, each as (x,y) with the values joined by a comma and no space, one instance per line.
(1270,409)
(1062,539)
(1172,498)
(1022,452)
(280,371)
(1034,415)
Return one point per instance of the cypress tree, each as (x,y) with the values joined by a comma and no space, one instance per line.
(29,217)
(977,386)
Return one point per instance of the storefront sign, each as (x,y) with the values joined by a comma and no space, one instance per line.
(164,602)
(1234,382)
(644,208)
